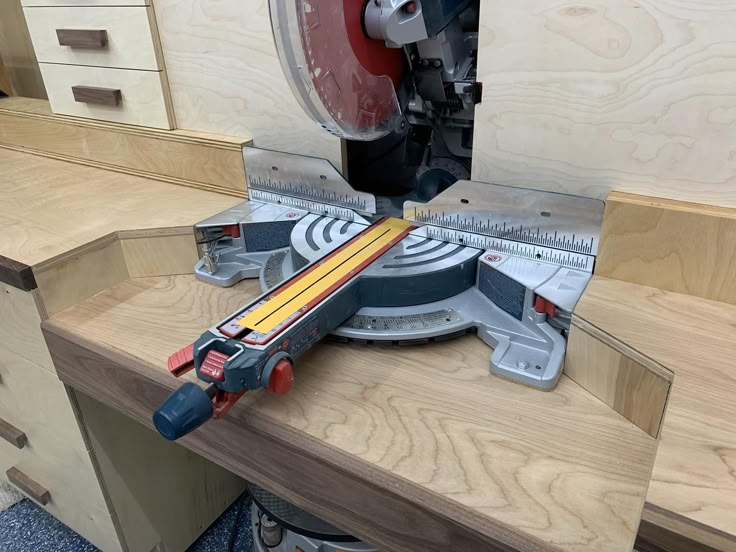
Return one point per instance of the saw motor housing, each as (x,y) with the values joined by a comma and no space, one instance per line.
(383,74)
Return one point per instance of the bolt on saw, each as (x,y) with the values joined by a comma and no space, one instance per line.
(437,259)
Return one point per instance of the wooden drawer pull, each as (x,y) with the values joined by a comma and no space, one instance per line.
(29,486)
(78,38)
(97,96)
(12,434)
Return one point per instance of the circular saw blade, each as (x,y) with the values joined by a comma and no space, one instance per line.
(343,80)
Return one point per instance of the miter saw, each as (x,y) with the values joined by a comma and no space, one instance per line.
(399,74)
(506,263)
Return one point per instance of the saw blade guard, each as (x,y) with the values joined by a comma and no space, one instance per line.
(345,81)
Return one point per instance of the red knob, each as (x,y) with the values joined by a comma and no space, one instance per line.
(281,379)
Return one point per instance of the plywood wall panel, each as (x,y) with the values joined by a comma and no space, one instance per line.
(588,97)
(225,76)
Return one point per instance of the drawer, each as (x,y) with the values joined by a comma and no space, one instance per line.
(54,453)
(116,36)
(20,326)
(117,95)
(85,2)
(64,501)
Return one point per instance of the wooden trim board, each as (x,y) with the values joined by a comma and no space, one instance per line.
(83,272)
(672,245)
(16,274)
(198,160)
(633,385)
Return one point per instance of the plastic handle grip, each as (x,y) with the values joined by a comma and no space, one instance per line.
(184,411)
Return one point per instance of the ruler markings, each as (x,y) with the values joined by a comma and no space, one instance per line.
(303,204)
(533,252)
(307,192)
(504,231)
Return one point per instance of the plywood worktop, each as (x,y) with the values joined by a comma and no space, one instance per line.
(693,488)
(442,456)
(49,208)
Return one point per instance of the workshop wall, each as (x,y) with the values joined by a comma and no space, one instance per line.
(635,96)
(226,78)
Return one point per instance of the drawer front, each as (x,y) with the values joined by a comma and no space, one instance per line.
(117,95)
(100,36)
(62,501)
(54,451)
(20,326)
(85,2)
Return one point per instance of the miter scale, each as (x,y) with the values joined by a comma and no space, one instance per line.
(508,264)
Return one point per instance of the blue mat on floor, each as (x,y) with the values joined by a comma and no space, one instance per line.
(26,527)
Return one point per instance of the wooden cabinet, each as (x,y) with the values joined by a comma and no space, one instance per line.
(119,37)
(54,466)
(115,482)
(101,61)
(141,94)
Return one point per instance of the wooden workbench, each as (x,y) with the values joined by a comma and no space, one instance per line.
(415,448)
(419,448)
(67,232)
(691,503)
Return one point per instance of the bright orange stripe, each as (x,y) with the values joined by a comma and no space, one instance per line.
(306,289)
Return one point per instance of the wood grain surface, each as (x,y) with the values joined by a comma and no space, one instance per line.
(128,41)
(693,489)
(12,434)
(166,508)
(56,455)
(145,100)
(71,3)
(588,97)
(16,49)
(16,274)
(442,455)
(194,159)
(225,76)
(97,95)
(672,245)
(5,85)
(29,486)
(632,384)
(76,205)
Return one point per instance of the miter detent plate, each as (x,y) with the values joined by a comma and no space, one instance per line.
(343,80)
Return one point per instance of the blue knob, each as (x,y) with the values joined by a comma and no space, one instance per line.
(184,411)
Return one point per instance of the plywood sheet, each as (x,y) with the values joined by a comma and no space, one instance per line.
(49,208)
(673,245)
(586,97)
(225,76)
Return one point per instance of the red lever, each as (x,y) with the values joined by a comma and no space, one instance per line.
(182,361)
(223,401)
(213,365)
(281,379)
